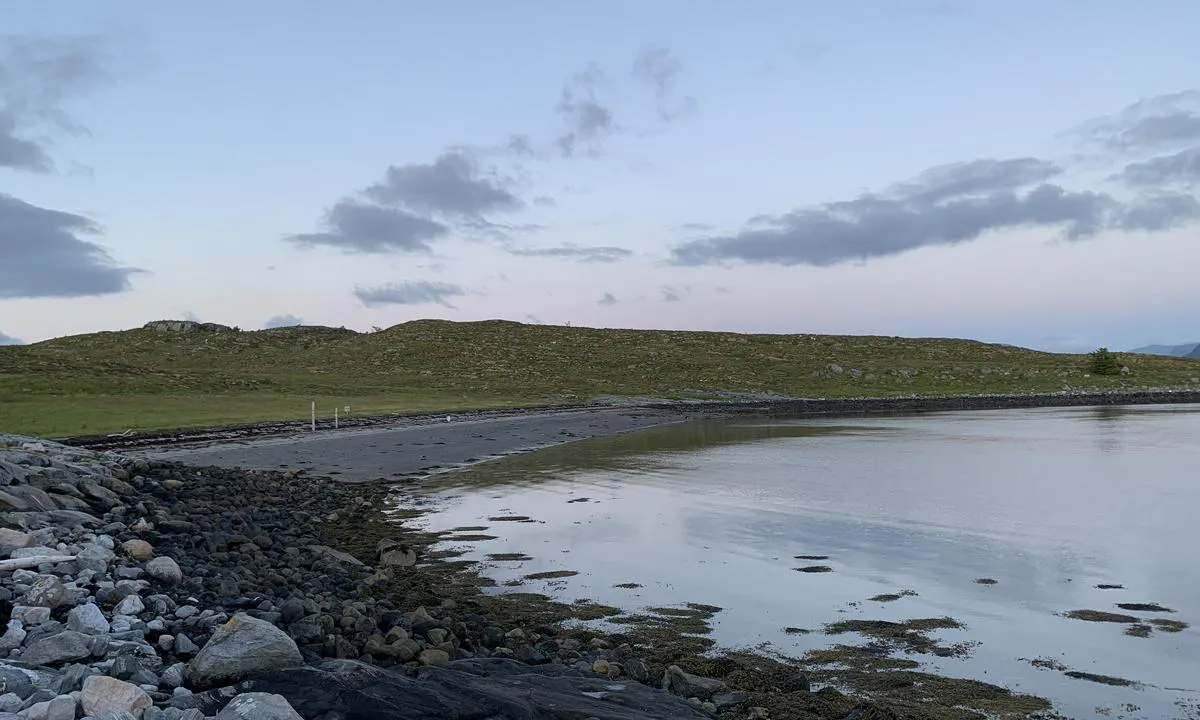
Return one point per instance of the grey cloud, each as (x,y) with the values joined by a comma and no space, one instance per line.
(534,319)
(1155,123)
(659,67)
(601,254)
(1161,212)
(1182,168)
(285,320)
(587,121)
(38,76)
(9,340)
(356,227)
(451,186)
(977,176)
(45,255)
(696,227)
(608,299)
(419,292)
(943,206)
(669,295)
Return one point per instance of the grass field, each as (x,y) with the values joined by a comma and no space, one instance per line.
(146,379)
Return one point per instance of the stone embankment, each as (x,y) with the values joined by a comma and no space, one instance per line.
(156,591)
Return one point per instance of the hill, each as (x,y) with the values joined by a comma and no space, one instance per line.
(1170,350)
(1195,353)
(152,378)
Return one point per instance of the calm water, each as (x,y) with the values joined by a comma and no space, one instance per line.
(1049,503)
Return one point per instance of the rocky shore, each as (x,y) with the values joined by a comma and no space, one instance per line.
(154,590)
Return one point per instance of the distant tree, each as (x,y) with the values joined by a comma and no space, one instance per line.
(1103,362)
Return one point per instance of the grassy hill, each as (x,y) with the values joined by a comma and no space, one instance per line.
(107,382)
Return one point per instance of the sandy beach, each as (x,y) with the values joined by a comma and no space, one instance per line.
(411,449)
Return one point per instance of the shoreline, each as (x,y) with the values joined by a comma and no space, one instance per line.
(737,403)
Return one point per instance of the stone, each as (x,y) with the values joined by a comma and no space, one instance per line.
(14,540)
(47,591)
(394,554)
(16,682)
(13,637)
(94,557)
(30,615)
(687,685)
(87,619)
(66,646)
(61,708)
(184,647)
(129,605)
(104,698)
(164,570)
(138,550)
(241,646)
(433,656)
(258,706)
(174,675)
(327,553)
(10,703)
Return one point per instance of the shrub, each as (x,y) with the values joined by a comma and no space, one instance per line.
(1103,362)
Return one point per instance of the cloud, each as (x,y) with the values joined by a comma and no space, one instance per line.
(1181,168)
(1162,122)
(669,295)
(9,340)
(409,293)
(38,77)
(587,121)
(944,205)
(44,255)
(356,227)
(451,186)
(659,67)
(601,254)
(534,319)
(285,320)
(607,300)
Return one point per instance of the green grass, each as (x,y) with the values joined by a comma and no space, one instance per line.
(143,379)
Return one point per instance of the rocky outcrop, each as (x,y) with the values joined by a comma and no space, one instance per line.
(184,326)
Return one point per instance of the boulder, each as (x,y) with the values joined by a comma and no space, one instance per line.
(258,706)
(105,698)
(87,619)
(66,646)
(138,549)
(242,646)
(14,539)
(687,685)
(164,570)
(47,591)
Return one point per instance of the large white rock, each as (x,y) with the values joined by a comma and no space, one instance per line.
(241,646)
(104,698)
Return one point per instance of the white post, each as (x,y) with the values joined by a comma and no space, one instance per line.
(314,416)
(335,422)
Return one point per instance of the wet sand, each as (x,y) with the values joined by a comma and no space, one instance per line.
(414,449)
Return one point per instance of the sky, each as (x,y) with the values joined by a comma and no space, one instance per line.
(1022,172)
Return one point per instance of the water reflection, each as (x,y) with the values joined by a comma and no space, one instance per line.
(1049,503)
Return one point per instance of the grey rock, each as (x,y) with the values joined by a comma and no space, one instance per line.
(94,557)
(258,706)
(13,637)
(10,703)
(129,605)
(184,647)
(337,556)
(87,619)
(13,680)
(47,591)
(687,685)
(241,646)
(724,701)
(61,708)
(165,570)
(30,615)
(66,646)
(105,697)
(14,540)
(174,676)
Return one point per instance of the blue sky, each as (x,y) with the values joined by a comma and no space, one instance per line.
(756,166)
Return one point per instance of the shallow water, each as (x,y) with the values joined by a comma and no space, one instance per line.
(1048,503)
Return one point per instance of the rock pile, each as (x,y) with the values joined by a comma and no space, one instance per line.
(155,591)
